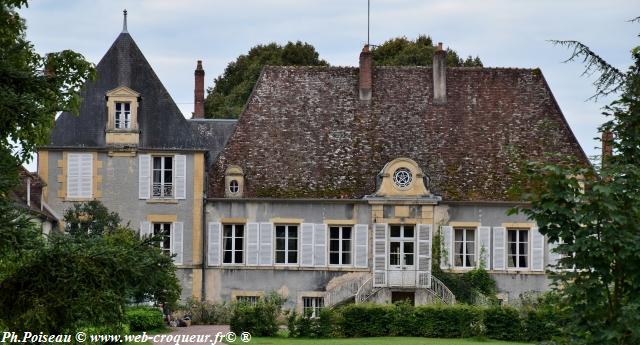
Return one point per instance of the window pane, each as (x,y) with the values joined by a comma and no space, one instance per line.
(334,258)
(227,243)
(346,245)
(118,106)
(471,261)
(395,231)
(157,162)
(512,248)
(293,231)
(293,244)
(334,232)
(293,256)
(238,257)
(280,243)
(167,163)
(334,245)
(394,247)
(513,235)
(127,106)
(470,247)
(346,258)
(408,259)
(394,259)
(470,235)
(280,257)
(408,231)
(346,232)
(227,256)
(457,260)
(523,261)
(523,248)
(280,231)
(167,242)
(408,247)
(458,248)
(239,230)
(168,176)
(238,243)
(524,235)
(227,230)
(459,234)
(511,261)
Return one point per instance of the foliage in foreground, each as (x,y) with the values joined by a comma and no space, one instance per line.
(259,319)
(144,318)
(593,217)
(84,280)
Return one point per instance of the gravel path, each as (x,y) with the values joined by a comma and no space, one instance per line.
(202,331)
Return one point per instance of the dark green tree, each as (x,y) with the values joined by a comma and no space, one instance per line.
(232,89)
(593,215)
(401,51)
(85,278)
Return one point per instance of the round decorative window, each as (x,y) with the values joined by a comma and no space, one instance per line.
(234,187)
(402,177)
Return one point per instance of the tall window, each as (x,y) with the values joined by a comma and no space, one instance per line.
(464,245)
(123,115)
(286,244)
(233,241)
(518,248)
(311,306)
(340,245)
(164,230)
(162,177)
(401,245)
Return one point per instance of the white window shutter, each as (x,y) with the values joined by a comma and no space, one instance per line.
(537,250)
(86,176)
(253,243)
(361,237)
(306,244)
(177,242)
(380,254)
(214,231)
(554,256)
(320,245)
(79,175)
(499,247)
(181,176)
(145,229)
(144,176)
(484,246)
(423,274)
(446,256)
(266,244)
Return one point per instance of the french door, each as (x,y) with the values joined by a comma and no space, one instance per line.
(402,255)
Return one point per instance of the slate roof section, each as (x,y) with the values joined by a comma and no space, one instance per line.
(161,123)
(212,134)
(305,134)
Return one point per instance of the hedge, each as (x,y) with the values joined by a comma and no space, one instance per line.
(445,321)
(144,318)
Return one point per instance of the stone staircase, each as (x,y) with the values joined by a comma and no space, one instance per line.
(361,290)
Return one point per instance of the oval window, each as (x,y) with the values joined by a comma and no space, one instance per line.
(234,186)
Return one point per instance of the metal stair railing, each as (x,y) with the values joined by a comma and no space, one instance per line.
(442,291)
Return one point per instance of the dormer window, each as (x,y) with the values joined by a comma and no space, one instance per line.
(123,115)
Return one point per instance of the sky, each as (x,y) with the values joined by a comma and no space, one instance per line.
(174,34)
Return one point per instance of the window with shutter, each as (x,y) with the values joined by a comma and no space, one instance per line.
(181,176)
(361,245)
(517,248)
(213,245)
(424,255)
(537,250)
(306,244)
(266,244)
(446,254)
(340,240)
(380,254)
(177,242)
(464,247)
(286,244)
(79,175)
(320,245)
(233,243)
(163,231)
(253,243)
(499,242)
(144,176)
(484,247)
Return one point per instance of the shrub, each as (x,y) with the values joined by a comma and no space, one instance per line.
(503,323)
(144,318)
(312,327)
(444,321)
(207,313)
(365,320)
(260,319)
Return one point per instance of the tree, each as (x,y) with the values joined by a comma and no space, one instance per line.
(81,279)
(33,88)
(592,215)
(401,51)
(232,89)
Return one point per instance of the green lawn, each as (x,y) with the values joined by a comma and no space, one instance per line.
(376,341)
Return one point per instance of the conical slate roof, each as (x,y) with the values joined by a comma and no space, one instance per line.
(162,125)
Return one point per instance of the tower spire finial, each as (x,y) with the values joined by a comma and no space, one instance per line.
(124,23)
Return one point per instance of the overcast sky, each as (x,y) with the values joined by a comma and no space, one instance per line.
(504,33)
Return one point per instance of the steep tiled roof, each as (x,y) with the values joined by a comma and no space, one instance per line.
(162,125)
(305,134)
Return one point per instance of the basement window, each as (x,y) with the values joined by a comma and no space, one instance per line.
(311,306)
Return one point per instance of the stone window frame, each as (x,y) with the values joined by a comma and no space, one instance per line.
(340,239)
(126,114)
(518,242)
(165,244)
(163,171)
(475,254)
(286,242)
(233,237)
(312,302)
(122,94)
(234,173)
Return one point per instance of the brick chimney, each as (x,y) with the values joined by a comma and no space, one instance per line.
(366,70)
(440,75)
(198,93)
(607,145)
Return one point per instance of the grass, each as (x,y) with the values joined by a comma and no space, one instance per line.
(375,341)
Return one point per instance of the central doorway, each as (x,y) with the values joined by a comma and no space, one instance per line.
(402,255)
